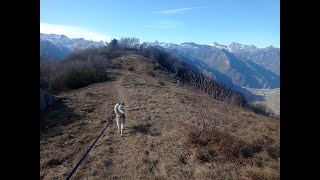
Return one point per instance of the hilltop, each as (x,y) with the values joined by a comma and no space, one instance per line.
(172,131)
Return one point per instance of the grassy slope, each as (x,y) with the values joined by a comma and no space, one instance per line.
(172,132)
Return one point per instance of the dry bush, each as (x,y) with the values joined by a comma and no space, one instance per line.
(151,73)
(264,173)
(79,69)
(216,151)
(51,75)
(214,145)
(217,145)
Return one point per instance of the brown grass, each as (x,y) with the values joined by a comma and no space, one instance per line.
(171,132)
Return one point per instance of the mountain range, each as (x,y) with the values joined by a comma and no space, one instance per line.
(236,64)
(60,46)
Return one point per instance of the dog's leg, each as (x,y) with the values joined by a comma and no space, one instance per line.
(121,128)
(118,125)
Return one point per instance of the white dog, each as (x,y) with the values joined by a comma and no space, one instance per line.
(120,116)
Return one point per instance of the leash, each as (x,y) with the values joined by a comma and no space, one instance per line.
(85,155)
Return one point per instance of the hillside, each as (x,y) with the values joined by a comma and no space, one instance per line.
(237,65)
(171,132)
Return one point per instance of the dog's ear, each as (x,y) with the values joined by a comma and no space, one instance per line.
(122,104)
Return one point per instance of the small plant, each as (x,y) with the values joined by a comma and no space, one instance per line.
(161,83)
(108,162)
(182,159)
(203,157)
(150,73)
(156,67)
(131,68)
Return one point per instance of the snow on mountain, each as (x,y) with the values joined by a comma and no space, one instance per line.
(243,65)
(268,57)
(60,46)
(219,46)
(71,44)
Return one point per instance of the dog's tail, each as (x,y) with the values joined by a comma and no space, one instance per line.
(119,109)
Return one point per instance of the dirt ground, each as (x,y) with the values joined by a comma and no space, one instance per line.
(165,123)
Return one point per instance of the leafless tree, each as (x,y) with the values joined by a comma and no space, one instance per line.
(49,73)
(127,42)
(176,67)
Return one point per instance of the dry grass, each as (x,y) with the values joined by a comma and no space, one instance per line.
(171,132)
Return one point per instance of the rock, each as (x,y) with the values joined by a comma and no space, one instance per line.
(46,100)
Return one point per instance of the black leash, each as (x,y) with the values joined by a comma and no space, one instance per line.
(85,155)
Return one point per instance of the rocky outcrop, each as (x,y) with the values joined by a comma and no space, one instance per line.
(46,100)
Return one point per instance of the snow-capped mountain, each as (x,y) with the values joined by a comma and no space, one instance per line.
(65,45)
(47,49)
(268,57)
(233,47)
(216,45)
(162,44)
(234,64)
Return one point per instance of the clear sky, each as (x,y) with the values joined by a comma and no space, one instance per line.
(254,22)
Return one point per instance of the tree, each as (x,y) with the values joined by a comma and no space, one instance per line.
(127,42)
(49,73)
(114,44)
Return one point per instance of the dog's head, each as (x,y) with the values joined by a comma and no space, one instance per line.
(121,108)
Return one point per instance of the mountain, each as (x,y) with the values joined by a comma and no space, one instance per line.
(216,45)
(63,46)
(268,57)
(47,49)
(221,63)
(236,64)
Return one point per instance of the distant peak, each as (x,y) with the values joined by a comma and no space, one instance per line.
(217,45)
(249,47)
(236,44)
(189,43)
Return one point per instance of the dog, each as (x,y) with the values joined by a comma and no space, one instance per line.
(120,117)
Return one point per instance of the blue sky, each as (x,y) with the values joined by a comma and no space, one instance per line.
(254,22)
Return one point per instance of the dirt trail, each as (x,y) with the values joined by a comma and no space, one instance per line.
(112,150)
(93,110)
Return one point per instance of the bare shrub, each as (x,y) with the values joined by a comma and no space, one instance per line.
(127,43)
(215,145)
(50,75)
(79,69)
